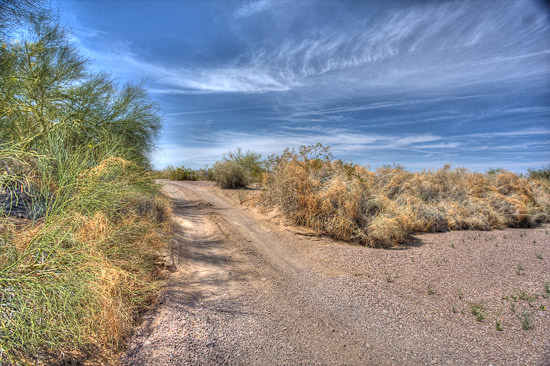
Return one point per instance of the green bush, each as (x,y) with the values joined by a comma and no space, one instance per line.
(230,174)
(541,174)
(183,174)
(238,169)
(74,149)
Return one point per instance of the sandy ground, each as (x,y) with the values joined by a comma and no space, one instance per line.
(249,289)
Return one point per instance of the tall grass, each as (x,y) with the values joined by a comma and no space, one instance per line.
(73,282)
(78,269)
(382,208)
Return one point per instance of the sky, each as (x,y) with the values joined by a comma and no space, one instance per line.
(419,83)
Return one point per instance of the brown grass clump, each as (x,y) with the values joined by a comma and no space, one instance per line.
(382,208)
(75,281)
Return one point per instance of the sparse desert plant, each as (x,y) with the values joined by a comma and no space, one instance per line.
(478,310)
(525,319)
(519,268)
(498,326)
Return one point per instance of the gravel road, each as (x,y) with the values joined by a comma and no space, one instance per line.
(248,291)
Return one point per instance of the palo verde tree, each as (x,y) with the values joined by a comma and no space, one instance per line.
(46,89)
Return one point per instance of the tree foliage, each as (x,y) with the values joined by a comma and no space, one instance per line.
(46,88)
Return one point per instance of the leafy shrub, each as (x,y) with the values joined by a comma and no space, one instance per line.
(230,174)
(238,169)
(183,173)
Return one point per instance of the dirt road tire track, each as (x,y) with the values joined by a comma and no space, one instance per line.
(245,293)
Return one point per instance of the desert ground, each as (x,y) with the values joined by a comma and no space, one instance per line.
(248,288)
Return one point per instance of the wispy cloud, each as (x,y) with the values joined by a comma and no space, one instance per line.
(404,49)
(418,83)
(364,147)
(380,105)
(251,8)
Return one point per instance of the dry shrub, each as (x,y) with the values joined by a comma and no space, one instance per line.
(383,207)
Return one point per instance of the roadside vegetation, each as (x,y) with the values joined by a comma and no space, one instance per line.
(81,222)
(382,208)
(183,173)
(239,169)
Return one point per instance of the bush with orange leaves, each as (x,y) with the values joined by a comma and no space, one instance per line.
(382,208)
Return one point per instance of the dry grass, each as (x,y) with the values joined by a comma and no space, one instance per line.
(74,282)
(381,208)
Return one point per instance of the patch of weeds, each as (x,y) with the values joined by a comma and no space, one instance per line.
(453,245)
(542,307)
(504,236)
(478,310)
(429,289)
(454,310)
(498,326)
(522,234)
(547,288)
(538,255)
(513,308)
(534,241)
(519,268)
(523,295)
(390,277)
(525,319)
(496,245)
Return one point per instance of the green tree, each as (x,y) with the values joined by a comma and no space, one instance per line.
(46,88)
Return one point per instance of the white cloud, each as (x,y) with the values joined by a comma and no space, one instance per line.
(429,46)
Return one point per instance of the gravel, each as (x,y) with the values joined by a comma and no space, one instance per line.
(248,290)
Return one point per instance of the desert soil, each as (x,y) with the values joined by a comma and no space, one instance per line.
(247,288)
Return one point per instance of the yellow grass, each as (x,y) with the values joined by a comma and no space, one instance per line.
(382,208)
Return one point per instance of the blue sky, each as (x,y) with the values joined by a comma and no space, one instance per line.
(420,83)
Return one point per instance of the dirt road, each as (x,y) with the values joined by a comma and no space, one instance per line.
(248,292)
